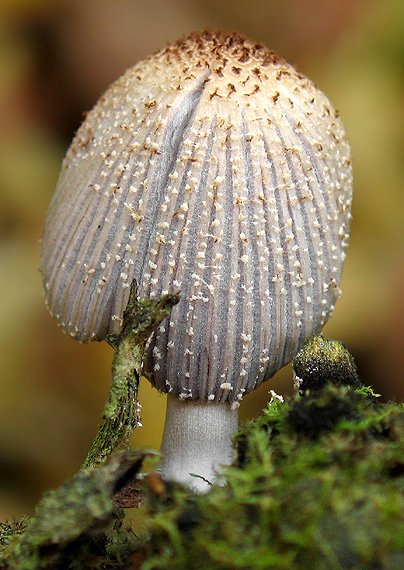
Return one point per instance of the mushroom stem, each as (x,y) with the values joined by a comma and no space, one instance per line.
(197,440)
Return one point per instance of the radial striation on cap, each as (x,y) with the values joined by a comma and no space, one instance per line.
(215,169)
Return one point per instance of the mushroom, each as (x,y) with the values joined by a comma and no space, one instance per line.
(216,169)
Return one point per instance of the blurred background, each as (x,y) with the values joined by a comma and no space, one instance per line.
(56,58)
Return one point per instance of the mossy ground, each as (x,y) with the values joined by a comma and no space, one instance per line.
(326,496)
(317,483)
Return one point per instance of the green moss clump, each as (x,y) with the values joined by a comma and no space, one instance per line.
(327,496)
(322,361)
(317,482)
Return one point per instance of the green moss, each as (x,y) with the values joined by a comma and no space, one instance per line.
(322,361)
(296,498)
(317,482)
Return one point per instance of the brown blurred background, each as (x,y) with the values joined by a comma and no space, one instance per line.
(56,58)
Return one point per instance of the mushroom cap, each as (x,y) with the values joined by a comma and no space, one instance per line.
(214,168)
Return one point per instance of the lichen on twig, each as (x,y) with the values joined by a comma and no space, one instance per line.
(121,412)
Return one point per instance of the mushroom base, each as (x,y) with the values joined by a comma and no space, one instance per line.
(197,441)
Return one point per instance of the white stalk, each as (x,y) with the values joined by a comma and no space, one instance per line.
(197,439)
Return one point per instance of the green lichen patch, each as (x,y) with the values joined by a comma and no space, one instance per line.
(79,525)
